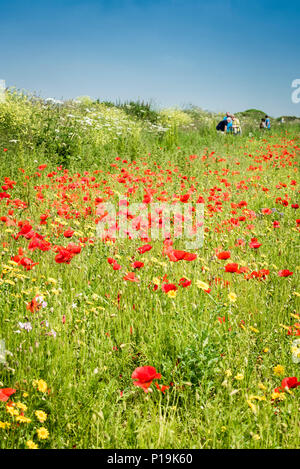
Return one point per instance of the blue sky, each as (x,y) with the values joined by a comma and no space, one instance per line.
(220,55)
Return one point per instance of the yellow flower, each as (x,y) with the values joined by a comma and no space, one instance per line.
(265,350)
(202,285)
(280,396)
(156,281)
(252,406)
(257,398)
(41,415)
(172,293)
(52,280)
(256,437)
(278,370)
(232,297)
(12,411)
(25,394)
(22,419)
(43,433)
(21,406)
(239,377)
(262,386)
(228,373)
(10,282)
(4,425)
(223,429)
(42,385)
(31,445)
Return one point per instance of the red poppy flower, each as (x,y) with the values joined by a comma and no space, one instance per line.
(240,242)
(37,242)
(184,198)
(131,277)
(144,248)
(176,255)
(223,255)
(190,256)
(68,233)
(64,256)
(254,243)
(179,255)
(291,382)
(288,383)
(183,282)
(231,268)
(137,265)
(266,211)
(143,377)
(166,287)
(284,273)
(33,305)
(27,263)
(162,388)
(74,248)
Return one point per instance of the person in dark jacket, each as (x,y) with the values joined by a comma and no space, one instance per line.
(225,125)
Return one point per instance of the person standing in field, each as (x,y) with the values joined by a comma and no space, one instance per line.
(262,124)
(268,123)
(236,126)
(228,114)
(225,125)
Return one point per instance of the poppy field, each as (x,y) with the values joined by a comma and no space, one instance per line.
(134,342)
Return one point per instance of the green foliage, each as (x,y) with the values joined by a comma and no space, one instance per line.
(140,110)
(200,343)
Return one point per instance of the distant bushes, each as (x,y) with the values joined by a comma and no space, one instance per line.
(76,128)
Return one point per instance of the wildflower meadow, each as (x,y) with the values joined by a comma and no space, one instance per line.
(113,336)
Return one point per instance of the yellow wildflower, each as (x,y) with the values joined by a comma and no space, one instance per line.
(257,398)
(12,411)
(41,415)
(262,386)
(21,406)
(278,370)
(43,433)
(22,419)
(252,406)
(4,425)
(280,396)
(202,285)
(31,445)
(239,377)
(42,385)
(232,297)
(172,293)
(156,281)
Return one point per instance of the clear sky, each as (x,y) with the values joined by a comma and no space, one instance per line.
(220,55)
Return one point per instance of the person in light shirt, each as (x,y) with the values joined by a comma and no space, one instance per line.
(236,126)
